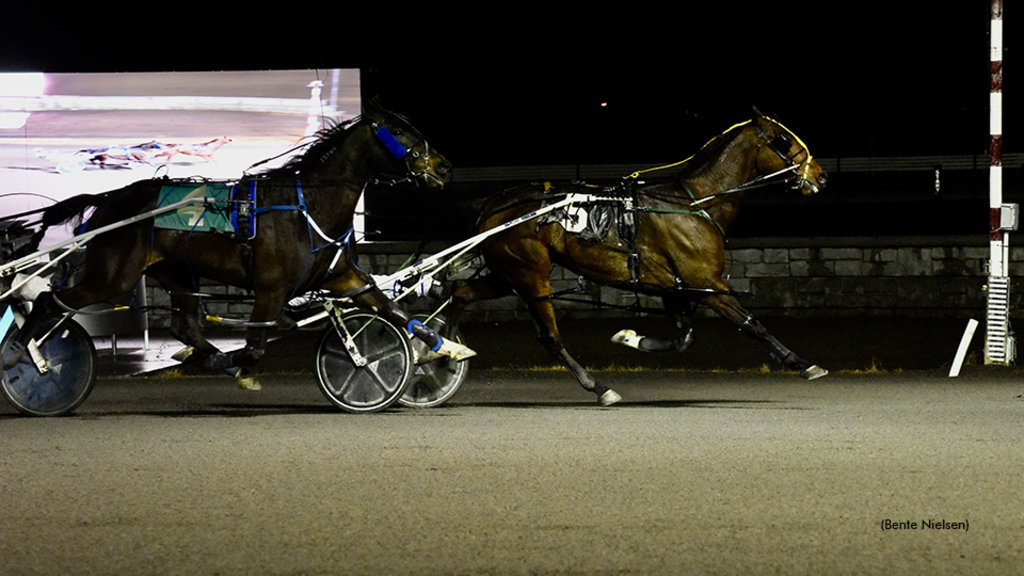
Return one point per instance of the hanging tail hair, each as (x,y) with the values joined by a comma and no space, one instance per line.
(73,208)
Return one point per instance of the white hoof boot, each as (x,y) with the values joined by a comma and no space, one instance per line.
(627,337)
(455,351)
(608,398)
(814,372)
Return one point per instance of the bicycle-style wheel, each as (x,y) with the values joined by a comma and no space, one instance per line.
(434,383)
(69,377)
(377,384)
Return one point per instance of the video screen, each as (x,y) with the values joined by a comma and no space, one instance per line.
(68,134)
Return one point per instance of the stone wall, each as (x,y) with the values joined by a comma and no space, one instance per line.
(826,277)
(850,277)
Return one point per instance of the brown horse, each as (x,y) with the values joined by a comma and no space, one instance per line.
(665,239)
(302,217)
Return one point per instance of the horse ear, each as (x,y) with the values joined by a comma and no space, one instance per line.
(757,113)
(372,108)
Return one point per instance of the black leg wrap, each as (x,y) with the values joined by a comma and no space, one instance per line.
(776,350)
(218,361)
(232,363)
(660,345)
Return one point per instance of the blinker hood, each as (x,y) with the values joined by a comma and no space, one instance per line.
(392,143)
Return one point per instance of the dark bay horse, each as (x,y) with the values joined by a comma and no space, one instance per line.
(669,241)
(302,221)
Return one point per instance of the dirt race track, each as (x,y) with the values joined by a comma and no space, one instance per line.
(697,471)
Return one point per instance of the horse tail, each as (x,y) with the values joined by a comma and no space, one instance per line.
(72,208)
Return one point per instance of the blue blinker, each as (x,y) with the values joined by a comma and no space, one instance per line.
(392,143)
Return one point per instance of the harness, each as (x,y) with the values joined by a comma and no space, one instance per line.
(629,196)
(341,242)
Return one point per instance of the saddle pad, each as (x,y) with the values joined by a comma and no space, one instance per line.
(590,220)
(198,217)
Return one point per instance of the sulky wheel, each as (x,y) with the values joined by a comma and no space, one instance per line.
(434,383)
(381,381)
(70,375)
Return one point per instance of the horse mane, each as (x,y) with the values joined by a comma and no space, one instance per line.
(699,161)
(318,146)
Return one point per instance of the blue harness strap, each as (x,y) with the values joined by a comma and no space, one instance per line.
(242,216)
(301,206)
(340,243)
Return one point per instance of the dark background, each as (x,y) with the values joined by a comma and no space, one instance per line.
(521,85)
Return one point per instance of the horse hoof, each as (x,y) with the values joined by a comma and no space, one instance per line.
(183,354)
(249,383)
(608,398)
(627,338)
(814,372)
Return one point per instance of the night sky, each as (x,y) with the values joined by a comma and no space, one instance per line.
(500,86)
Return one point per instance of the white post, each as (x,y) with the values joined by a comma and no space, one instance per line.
(999,345)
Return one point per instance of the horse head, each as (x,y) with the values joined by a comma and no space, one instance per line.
(406,147)
(783,151)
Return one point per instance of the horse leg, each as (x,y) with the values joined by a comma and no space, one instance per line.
(266,309)
(438,345)
(728,307)
(681,309)
(466,292)
(366,295)
(185,326)
(543,313)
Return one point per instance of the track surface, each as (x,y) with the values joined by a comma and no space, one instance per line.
(695,472)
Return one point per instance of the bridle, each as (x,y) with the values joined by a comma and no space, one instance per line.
(410,155)
(795,172)
(781,144)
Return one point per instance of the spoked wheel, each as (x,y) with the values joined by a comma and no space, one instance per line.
(381,381)
(434,383)
(70,375)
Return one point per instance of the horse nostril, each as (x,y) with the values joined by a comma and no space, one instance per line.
(443,168)
(822,179)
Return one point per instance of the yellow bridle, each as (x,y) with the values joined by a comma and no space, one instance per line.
(806,164)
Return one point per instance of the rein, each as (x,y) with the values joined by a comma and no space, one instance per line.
(696,204)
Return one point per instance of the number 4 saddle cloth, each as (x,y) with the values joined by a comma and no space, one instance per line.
(229,212)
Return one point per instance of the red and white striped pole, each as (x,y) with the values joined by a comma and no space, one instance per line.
(999,344)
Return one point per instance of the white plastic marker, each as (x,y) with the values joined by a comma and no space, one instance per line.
(958,362)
